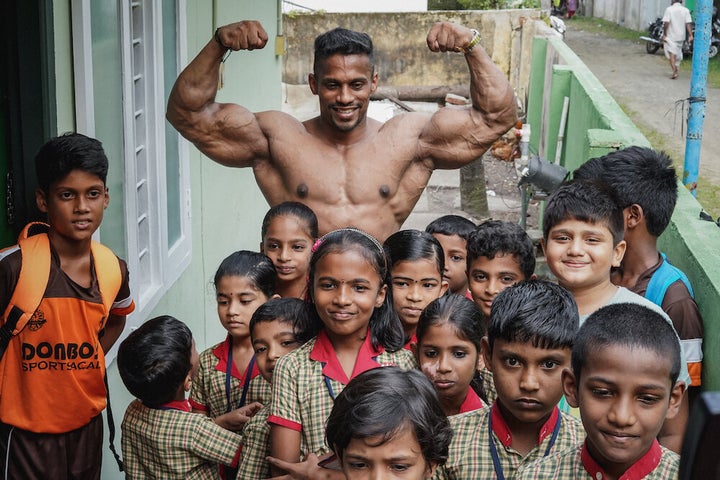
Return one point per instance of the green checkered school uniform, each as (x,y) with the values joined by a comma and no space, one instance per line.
(208,393)
(256,438)
(658,463)
(169,442)
(470,456)
(306,381)
(260,391)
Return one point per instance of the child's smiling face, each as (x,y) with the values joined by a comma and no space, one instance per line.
(624,395)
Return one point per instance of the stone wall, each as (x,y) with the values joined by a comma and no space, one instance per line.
(401,54)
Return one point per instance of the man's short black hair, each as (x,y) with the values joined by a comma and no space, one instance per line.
(343,41)
(384,402)
(497,237)
(585,201)
(155,359)
(639,176)
(627,325)
(70,151)
(452,225)
(535,311)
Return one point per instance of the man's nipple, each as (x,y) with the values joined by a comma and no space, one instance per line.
(302,190)
(384,191)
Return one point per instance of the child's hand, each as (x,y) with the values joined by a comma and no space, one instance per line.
(309,469)
(236,419)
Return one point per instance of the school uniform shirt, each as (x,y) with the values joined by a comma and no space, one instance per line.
(307,380)
(488,384)
(471,452)
(471,403)
(209,393)
(260,390)
(658,463)
(685,315)
(412,341)
(53,371)
(170,442)
(256,446)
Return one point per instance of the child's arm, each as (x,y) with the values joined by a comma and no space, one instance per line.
(113,328)
(284,445)
(236,419)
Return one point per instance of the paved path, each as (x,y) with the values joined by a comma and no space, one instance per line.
(640,83)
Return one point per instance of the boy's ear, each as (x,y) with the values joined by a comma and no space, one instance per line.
(188,382)
(262,247)
(542,245)
(634,215)
(677,397)
(41,200)
(618,253)
(570,387)
(107,198)
(486,353)
(480,362)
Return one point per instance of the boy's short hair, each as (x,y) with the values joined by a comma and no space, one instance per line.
(452,225)
(290,310)
(640,176)
(536,311)
(385,401)
(590,202)
(497,237)
(70,151)
(155,359)
(628,325)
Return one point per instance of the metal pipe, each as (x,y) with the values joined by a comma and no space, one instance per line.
(698,84)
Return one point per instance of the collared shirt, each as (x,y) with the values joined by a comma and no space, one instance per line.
(472,402)
(306,381)
(658,463)
(470,455)
(488,385)
(410,342)
(685,315)
(256,438)
(208,388)
(260,390)
(169,442)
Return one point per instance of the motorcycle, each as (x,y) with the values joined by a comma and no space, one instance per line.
(653,42)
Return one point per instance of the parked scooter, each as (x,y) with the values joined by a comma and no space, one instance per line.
(653,42)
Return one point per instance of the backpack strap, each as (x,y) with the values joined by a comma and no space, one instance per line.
(664,276)
(109,277)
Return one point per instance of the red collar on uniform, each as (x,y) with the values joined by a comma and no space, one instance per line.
(221,353)
(182,405)
(413,340)
(323,352)
(501,429)
(471,402)
(638,470)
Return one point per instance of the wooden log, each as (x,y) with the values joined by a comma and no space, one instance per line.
(421,93)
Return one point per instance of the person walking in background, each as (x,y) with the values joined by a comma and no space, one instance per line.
(676,20)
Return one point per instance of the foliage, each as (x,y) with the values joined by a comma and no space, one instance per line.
(481,4)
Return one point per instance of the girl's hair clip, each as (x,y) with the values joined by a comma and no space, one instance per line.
(316,245)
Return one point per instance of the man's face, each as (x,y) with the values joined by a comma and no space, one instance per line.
(344,84)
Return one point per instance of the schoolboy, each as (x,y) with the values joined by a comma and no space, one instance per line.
(530,336)
(499,255)
(161,437)
(453,231)
(646,186)
(387,423)
(625,365)
(52,384)
(272,329)
(583,239)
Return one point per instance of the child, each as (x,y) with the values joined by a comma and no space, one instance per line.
(646,186)
(528,345)
(52,385)
(273,335)
(387,423)
(449,338)
(244,281)
(416,272)
(353,328)
(161,438)
(583,228)
(499,255)
(288,233)
(625,365)
(453,231)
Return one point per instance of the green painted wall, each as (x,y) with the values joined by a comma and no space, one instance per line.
(596,126)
